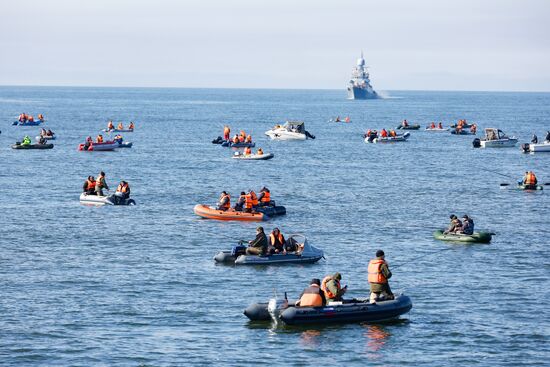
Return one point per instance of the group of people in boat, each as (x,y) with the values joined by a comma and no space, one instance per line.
(248,151)
(535,139)
(23,118)
(95,186)
(434,126)
(241,137)
(120,126)
(466,226)
(346,119)
(529,180)
(247,202)
(275,243)
(320,293)
(462,125)
(373,134)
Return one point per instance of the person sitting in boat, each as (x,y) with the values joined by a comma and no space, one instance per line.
(247,151)
(264,197)
(100,184)
(312,296)
(432,125)
(258,246)
(467,225)
(41,140)
(347,119)
(277,242)
(248,138)
(131,126)
(455,225)
(110,125)
(535,139)
(122,192)
(43,132)
(405,123)
(89,186)
(337,119)
(118,138)
(260,152)
(440,125)
(241,138)
(236,139)
(226,132)
(393,134)
(88,142)
(239,205)
(30,118)
(379,273)
(383,133)
(473,128)
(224,203)
(22,117)
(547,138)
(120,126)
(331,286)
(99,139)
(40,117)
(26,140)
(530,180)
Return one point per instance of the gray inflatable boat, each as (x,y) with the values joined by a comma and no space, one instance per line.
(357,310)
(306,254)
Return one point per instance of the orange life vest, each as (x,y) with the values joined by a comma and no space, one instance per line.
(530,179)
(393,134)
(120,126)
(226,132)
(280,239)
(260,151)
(100,182)
(267,197)
(440,126)
(110,126)
(122,188)
(248,201)
(249,139)
(247,151)
(99,139)
(328,293)
(90,184)
(311,297)
(131,127)
(254,198)
(432,125)
(30,118)
(375,275)
(384,133)
(241,139)
(243,134)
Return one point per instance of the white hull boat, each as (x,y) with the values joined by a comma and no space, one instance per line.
(253,157)
(544,147)
(291,130)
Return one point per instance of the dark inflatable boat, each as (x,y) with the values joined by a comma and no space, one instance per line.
(356,310)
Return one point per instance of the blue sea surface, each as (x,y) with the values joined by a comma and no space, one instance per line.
(133,286)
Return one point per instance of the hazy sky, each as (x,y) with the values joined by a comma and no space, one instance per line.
(409,44)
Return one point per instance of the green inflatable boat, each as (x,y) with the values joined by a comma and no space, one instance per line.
(477,237)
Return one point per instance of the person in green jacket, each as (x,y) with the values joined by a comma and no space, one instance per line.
(258,246)
(26,140)
(331,286)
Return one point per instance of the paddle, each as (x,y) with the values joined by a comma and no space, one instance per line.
(423,256)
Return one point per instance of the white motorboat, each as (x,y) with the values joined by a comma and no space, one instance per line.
(537,148)
(104,200)
(495,138)
(291,130)
(253,157)
(388,139)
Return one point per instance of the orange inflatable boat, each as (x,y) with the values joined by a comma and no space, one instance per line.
(210,213)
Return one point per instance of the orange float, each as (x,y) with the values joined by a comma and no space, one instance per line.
(210,213)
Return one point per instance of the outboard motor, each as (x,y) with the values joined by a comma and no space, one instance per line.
(525,148)
(476,143)
(309,135)
(276,306)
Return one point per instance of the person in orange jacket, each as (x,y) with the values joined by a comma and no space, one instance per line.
(378,275)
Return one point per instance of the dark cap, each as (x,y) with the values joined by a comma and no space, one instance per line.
(260,228)
(315,281)
(465,217)
(379,253)
(452,216)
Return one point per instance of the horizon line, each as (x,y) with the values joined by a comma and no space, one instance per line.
(265,88)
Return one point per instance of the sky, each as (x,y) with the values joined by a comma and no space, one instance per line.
(500,45)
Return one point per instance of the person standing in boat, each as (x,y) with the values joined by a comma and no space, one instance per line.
(378,276)
(258,246)
(547,139)
(312,296)
(226,132)
(535,139)
(100,184)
